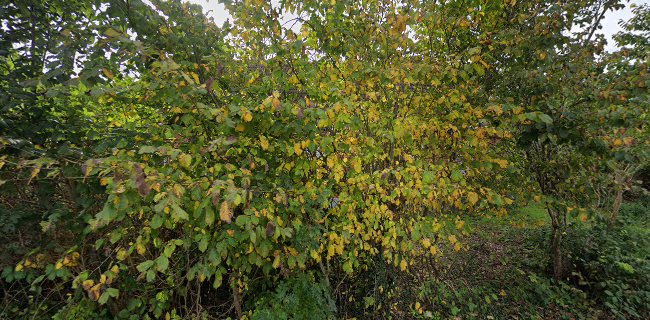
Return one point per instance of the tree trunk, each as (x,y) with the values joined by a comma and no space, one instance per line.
(556,242)
(236,296)
(557,254)
(617,206)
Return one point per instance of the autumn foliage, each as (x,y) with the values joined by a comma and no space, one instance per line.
(170,166)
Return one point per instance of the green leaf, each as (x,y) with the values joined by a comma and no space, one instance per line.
(253,236)
(162,263)
(209,216)
(545,118)
(147,149)
(112,33)
(242,220)
(203,244)
(428,177)
(179,213)
(156,221)
(151,275)
(479,69)
(456,176)
(144,266)
(103,298)
(108,213)
(113,292)
(185,160)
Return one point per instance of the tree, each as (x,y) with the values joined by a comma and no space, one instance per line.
(219,162)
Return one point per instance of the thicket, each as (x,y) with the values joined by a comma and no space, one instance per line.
(314,159)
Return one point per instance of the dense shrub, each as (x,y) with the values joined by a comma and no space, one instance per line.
(299,297)
(613,263)
(635,212)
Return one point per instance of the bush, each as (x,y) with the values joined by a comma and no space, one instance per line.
(298,297)
(634,211)
(614,263)
(83,310)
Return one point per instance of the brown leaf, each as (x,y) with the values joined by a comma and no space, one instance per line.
(215,196)
(270,229)
(208,84)
(87,284)
(95,292)
(143,187)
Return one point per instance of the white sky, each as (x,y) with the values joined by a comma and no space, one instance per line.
(610,22)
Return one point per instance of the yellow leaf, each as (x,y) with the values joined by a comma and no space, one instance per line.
(502,163)
(87,284)
(35,172)
(107,73)
(276,103)
(583,217)
(140,248)
(164,30)
(331,161)
(426,242)
(185,160)
(315,255)
(297,149)
(403,265)
(58,265)
(357,165)
(542,55)
(240,127)
(248,116)
(264,143)
(472,197)
(19,267)
(433,250)
(122,254)
(331,250)
(224,212)
(627,140)
(95,292)
(276,262)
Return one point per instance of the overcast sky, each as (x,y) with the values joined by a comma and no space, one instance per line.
(610,23)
